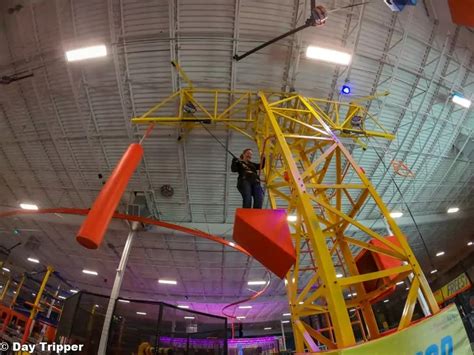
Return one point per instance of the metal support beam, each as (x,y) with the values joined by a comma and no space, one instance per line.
(116,290)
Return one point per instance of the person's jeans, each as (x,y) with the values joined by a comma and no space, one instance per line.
(249,190)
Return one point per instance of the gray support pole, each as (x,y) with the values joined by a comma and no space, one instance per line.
(283,336)
(115,292)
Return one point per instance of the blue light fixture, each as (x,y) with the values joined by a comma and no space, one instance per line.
(345,90)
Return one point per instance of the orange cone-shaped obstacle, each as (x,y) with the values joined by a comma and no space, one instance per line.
(265,234)
(93,229)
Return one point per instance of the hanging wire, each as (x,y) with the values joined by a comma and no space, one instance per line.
(406,205)
(218,141)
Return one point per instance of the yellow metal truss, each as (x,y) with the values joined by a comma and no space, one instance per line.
(311,174)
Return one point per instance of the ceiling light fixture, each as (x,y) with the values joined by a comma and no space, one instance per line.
(396,214)
(62,297)
(232,244)
(183,306)
(241,317)
(245,307)
(285,321)
(90,272)
(385,301)
(141,313)
(189,317)
(29,206)
(400,283)
(286,314)
(434,271)
(267,328)
(33,260)
(469,244)
(74,291)
(253,283)
(440,253)
(453,209)
(328,55)
(339,275)
(168,282)
(461,101)
(292,218)
(86,53)
(124,301)
(5,269)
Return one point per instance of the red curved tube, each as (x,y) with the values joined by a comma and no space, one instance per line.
(83,212)
(93,229)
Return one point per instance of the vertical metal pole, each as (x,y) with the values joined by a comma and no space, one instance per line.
(283,336)
(115,292)
(35,307)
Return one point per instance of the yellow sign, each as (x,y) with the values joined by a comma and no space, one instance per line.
(442,334)
(451,289)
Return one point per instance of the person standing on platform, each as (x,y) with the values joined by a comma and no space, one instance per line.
(248,182)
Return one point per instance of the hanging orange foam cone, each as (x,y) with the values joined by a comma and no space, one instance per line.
(93,229)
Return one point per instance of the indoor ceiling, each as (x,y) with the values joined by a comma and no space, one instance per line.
(70,122)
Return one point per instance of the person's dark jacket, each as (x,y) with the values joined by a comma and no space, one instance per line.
(248,171)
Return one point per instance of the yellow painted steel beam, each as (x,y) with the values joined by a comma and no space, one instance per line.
(374,275)
(409,305)
(307,172)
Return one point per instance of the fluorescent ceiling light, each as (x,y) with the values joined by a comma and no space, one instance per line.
(232,244)
(62,297)
(441,253)
(124,301)
(33,260)
(292,218)
(328,55)
(300,302)
(189,317)
(286,314)
(354,294)
(407,288)
(141,313)
(245,307)
(267,328)
(29,206)
(396,214)
(33,294)
(252,283)
(168,282)
(74,291)
(86,53)
(241,317)
(339,275)
(461,101)
(183,306)
(285,321)
(453,209)
(400,283)
(433,271)
(352,310)
(90,272)
(96,306)
(469,244)
(5,269)
(385,301)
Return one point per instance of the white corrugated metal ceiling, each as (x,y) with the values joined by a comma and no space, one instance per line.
(70,122)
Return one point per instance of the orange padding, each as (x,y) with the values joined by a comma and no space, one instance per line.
(265,234)
(368,261)
(93,229)
(462,12)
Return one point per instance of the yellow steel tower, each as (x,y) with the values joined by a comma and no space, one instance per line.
(311,173)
